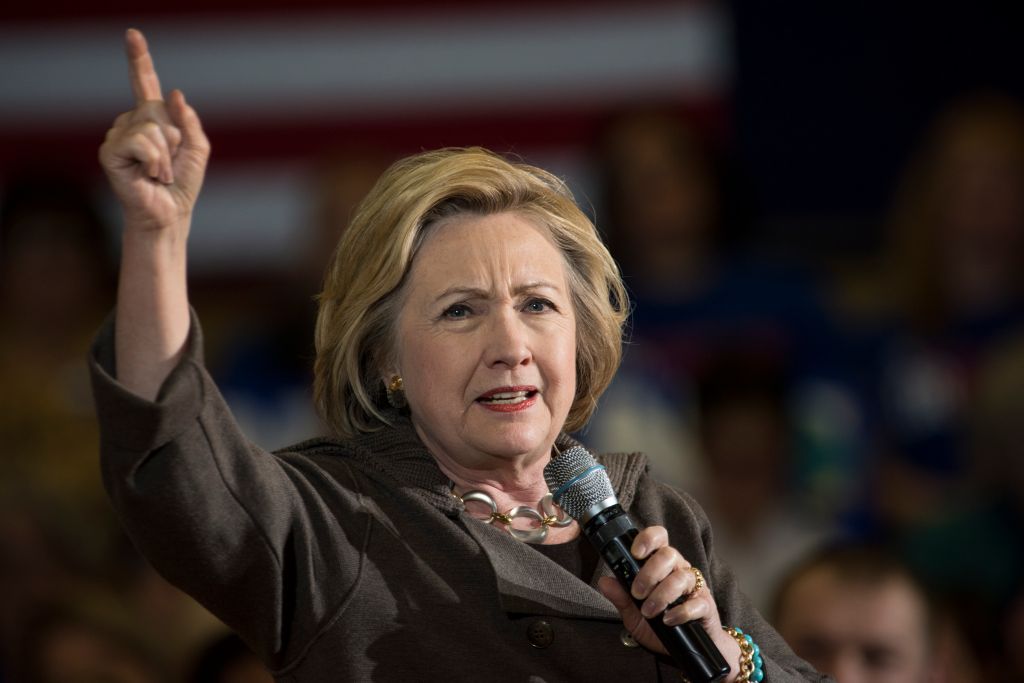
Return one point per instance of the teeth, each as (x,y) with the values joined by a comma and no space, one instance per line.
(508,394)
(517,399)
(508,397)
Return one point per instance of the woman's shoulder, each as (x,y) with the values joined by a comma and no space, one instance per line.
(390,440)
(318,445)
(392,458)
(637,487)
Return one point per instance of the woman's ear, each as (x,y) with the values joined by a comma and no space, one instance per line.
(388,372)
(395,392)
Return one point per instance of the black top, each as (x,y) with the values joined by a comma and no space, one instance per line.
(578,556)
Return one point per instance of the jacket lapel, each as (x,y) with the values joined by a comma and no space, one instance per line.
(528,582)
(531,583)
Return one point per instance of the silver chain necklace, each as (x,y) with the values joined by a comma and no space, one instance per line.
(549,515)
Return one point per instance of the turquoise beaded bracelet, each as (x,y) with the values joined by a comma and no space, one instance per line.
(751,663)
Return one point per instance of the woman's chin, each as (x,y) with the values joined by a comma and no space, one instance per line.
(515,441)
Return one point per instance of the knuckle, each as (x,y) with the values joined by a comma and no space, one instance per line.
(667,558)
(663,594)
(139,139)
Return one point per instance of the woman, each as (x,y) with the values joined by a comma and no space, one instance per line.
(469,319)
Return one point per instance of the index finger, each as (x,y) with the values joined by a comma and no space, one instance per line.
(649,540)
(145,82)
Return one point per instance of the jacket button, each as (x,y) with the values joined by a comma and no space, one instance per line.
(627,639)
(540,634)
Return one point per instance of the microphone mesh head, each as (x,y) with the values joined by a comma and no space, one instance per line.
(575,493)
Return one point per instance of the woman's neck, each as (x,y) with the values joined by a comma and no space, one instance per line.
(508,486)
(510,479)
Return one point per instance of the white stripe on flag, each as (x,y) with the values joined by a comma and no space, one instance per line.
(312,64)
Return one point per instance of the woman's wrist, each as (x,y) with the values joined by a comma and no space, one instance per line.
(751,664)
(148,230)
(730,650)
(157,251)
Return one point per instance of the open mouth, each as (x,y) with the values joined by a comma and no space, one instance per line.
(507,396)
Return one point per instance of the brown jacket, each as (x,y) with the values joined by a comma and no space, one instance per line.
(351,561)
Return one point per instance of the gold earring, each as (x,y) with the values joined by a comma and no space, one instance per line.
(396,397)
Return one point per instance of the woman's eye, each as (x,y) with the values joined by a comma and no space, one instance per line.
(538,305)
(456,312)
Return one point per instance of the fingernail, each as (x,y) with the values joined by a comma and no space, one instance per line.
(647,609)
(670,619)
(639,590)
(641,551)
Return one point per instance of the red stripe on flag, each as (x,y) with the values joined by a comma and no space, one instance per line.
(241,141)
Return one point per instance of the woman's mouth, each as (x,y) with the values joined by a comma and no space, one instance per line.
(509,399)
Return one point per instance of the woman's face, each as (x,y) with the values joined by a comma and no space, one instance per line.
(487,342)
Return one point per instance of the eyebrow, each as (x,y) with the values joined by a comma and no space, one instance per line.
(479,293)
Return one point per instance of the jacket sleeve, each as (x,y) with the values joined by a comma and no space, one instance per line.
(236,527)
(690,532)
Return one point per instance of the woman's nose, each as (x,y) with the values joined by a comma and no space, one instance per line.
(508,341)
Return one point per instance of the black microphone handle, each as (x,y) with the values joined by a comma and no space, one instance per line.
(612,533)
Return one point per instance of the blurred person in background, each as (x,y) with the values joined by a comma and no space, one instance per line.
(948,287)
(37,564)
(659,213)
(674,222)
(984,519)
(56,273)
(747,440)
(858,614)
(76,643)
(947,302)
(51,573)
(1012,629)
(60,539)
(264,362)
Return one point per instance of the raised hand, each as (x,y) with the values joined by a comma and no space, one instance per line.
(154,155)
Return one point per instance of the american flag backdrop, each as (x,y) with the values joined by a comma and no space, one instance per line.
(282,86)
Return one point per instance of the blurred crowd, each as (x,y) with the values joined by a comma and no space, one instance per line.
(850,422)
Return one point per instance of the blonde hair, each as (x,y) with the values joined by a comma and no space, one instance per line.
(363,283)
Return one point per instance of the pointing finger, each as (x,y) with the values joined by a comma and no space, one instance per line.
(145,82)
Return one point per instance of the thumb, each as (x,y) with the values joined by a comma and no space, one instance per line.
(617,595)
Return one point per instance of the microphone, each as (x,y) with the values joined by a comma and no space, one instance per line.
(582,489)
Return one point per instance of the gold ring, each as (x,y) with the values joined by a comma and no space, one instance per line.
(698,580)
